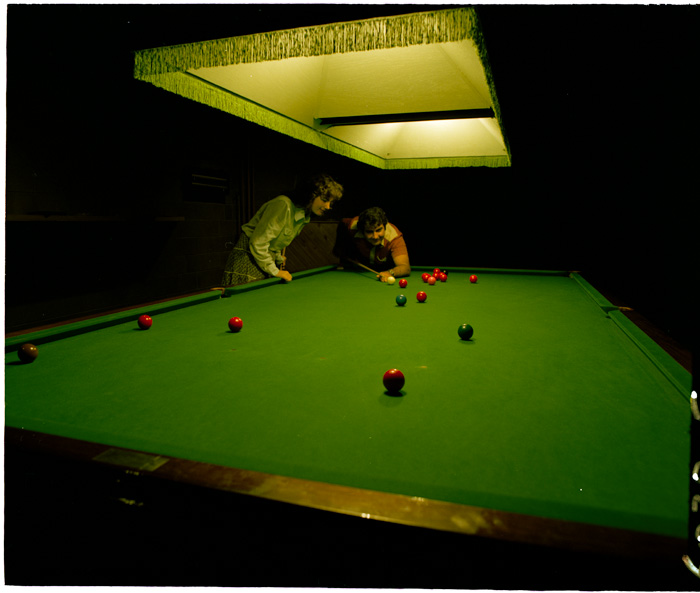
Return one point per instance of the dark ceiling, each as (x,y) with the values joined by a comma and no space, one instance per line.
(573,81)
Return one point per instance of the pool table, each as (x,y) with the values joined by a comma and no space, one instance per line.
(558,423)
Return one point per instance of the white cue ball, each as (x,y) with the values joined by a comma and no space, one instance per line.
(390,280)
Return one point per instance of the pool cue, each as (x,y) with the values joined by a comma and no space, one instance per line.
(357,263)
(284,263)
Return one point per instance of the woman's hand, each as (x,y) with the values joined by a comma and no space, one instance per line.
(284,275)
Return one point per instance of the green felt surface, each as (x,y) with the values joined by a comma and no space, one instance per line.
(551,409)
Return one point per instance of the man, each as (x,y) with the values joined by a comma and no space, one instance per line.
(372,240)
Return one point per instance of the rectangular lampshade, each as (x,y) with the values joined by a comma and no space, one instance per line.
(402,92)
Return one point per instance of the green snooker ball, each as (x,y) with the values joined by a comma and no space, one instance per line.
(401,300)
(465,331)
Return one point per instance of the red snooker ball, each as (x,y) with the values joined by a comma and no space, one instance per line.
(394,380)
(436,271)
(421,296)
(425,276)
(27,353)
(403,283)
(431,280)
(235,324)
(473,278)
(145,321)
(443,277)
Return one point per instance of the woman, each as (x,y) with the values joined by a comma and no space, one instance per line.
(258,252)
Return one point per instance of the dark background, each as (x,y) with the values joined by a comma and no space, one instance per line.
(599,105)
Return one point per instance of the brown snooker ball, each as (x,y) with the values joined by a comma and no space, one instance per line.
(27,353)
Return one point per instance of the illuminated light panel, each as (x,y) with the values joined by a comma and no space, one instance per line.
(428,139)
(289,80)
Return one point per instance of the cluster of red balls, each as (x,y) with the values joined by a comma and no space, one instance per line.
(435,276)
(442,277)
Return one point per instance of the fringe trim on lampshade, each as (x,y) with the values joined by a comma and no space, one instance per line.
(167,68)
(446,162)
(379,33)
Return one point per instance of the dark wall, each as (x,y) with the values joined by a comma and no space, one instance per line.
(601,131)
(599,102)
(101,212)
